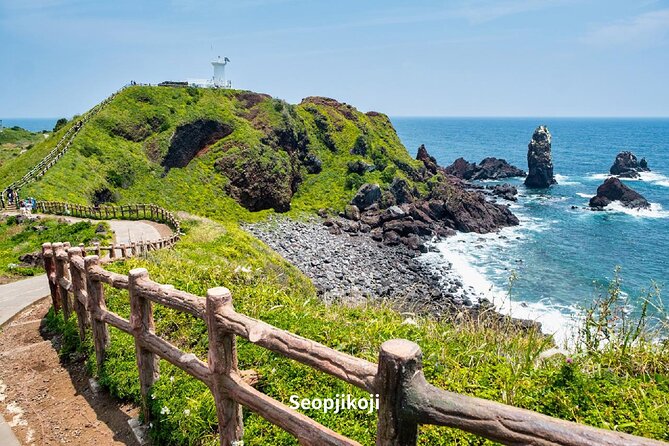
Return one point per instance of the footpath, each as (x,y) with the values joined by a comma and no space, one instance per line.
(17,296)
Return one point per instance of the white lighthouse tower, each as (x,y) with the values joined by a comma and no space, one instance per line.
(218,81)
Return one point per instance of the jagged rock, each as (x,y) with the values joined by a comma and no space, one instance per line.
(352,212)
(32,259)
(626,165)
(429,161)
(401,191)
(367,195)
(505,191)
(312,163)
(461,168)
(495,168)
(393,212)
(100,229)
(360,167)
(489,169)
(540,160)
(614,190)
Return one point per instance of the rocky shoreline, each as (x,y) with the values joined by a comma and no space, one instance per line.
(353,268)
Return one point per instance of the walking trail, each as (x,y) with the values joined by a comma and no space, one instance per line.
(30,361)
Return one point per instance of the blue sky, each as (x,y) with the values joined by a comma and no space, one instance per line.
(421,58)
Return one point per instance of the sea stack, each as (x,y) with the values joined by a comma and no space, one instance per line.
(614,190)
(627,166)
(540,160)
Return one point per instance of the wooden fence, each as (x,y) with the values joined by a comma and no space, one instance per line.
(126,212)
(406,398)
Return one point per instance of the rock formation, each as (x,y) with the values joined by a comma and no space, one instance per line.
(505,191)
(614,190)
(540,160)
(627,166)
(489,169)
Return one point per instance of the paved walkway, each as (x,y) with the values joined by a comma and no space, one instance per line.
(16,296)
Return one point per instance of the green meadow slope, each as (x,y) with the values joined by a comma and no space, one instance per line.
(238,156)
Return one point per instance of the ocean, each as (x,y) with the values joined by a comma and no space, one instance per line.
(560,258)
(32,124)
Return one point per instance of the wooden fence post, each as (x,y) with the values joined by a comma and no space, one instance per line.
(141,321)
(399,361)
(222,359)
(112,252)
(124,251)
(50,268)
(96,302)
(62,272)
(79,286)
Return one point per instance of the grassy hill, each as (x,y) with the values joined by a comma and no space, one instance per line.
(16,141)
(195,149)
(239,156)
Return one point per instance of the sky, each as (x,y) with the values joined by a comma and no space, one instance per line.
(419,58)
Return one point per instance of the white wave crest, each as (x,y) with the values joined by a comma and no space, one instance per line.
(655,210)
(584,195)
(564,180)
(649,177)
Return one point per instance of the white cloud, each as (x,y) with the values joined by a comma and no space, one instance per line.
(651,28)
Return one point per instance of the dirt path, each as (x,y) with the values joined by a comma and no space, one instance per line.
(47,400)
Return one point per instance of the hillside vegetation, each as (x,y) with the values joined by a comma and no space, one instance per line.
(16,141)
(238,156)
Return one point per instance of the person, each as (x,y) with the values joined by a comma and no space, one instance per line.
(10,195)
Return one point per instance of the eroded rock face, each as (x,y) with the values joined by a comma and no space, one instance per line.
(191,138)
(489,169)
(614,190)
(626,165)
(260,177)
(540,160)
(505,191)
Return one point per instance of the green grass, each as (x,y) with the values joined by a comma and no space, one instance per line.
(17,239)
(600,387)
(16,142)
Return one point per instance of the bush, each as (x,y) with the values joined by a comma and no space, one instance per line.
(59,124)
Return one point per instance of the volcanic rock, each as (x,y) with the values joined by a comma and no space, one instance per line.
(505,191)
(429,161)
(367,195)
(626,165)
(614,190)
(540,160)
(489,169)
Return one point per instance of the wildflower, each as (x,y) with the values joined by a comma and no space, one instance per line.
(569,360)
(171,379)
(165,410)
(153,396)
(186,412)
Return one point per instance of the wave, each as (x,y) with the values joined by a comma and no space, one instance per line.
(654,178)
(559,321)
(655,211)
(563,180)
(584,195)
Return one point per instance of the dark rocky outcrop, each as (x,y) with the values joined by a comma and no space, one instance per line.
(367,195)
(505,191)
(360,167)
(428,160)
(626,165)
(614,190)
(32,259)
(489,169)
(191,138)
(540,160)
(413,219)
(259,177)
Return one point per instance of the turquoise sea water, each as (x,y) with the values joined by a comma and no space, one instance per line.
(560,255)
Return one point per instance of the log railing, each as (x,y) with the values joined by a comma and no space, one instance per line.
(127,212)
(406,399)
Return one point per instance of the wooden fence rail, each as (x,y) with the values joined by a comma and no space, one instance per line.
(406,399)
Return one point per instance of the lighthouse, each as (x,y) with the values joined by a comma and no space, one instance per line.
(218,81)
